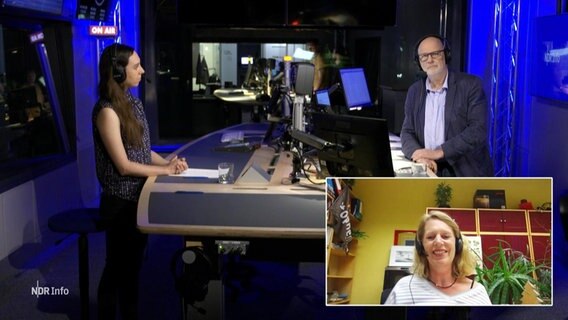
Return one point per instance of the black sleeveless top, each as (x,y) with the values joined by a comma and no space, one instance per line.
(112,183)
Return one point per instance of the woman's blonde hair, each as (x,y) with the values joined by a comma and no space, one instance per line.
(464,261)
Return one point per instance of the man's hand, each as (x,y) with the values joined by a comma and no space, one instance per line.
(427,154)
(430,164)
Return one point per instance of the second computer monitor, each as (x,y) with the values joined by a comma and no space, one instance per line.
(355,88)
(363,146)
(322,98)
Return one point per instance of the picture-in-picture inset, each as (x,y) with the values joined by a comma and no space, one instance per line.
(429,242)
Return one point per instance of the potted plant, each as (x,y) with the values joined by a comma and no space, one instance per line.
(505,280)
(443,195)
(543,284)
(359,235)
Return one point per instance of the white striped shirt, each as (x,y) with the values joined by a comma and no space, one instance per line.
(414,290)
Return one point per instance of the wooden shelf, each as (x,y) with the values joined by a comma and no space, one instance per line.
(341,253)
(331,276)
(341,265)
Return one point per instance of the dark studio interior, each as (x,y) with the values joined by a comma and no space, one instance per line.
(215,67)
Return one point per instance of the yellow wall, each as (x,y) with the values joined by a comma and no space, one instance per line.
(397,204)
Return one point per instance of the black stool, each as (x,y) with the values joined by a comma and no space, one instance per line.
(81,221)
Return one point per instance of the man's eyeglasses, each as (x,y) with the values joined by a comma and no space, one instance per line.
(434,55)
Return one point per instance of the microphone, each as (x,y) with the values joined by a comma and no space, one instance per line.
(148,80)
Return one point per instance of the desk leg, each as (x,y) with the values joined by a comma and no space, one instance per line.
(255,114)
(211,307)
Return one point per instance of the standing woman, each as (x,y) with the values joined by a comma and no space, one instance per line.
(123,161)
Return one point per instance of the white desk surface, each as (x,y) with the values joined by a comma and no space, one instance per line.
(399,161)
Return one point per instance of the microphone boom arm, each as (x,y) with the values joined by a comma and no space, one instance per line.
(314,141)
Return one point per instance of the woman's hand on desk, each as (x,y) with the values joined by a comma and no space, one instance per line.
(177,165)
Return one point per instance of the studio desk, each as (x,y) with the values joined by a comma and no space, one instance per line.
(197,207)
(201,208)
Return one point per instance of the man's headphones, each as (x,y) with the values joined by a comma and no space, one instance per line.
(447,51)
(422,252)
(191,269)
(118,72)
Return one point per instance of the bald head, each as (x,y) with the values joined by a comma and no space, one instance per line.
(431,56)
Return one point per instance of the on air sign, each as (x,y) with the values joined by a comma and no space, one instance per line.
(103,31)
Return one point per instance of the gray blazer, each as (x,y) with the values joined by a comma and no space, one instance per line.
(466,148)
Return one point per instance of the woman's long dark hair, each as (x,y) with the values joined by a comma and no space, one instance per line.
(115,58)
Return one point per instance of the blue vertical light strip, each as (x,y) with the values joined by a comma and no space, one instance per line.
(494,77)
(503,86)
(508,109)
(54,100)
(127,28)
(102,43)
(513,120)
(117,20)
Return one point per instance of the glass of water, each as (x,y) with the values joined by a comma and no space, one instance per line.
(226,172)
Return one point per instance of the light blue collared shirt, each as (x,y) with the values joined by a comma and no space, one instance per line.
(434,117)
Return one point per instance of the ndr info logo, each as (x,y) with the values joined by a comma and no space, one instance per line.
(49,291)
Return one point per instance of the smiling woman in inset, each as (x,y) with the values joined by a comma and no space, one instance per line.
(442,269)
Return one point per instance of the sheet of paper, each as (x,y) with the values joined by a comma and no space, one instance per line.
(196,172)
(394,138)
(396,145)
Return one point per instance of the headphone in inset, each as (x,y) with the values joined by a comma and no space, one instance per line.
(118,72)
(191,269)
(422,252)
(447,51)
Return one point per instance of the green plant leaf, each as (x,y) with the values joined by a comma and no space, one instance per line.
(358,234)
(506,280)
(505,293)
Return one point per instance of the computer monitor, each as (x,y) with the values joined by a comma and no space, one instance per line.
(247,60)
(47,6)
(364,145)
(322,98)
(355,88)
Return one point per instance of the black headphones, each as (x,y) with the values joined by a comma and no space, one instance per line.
(118,72)
(422,252)
(191,269)
(447,51)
